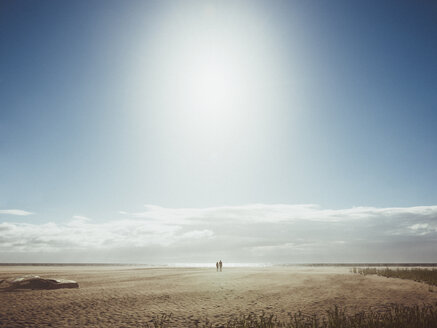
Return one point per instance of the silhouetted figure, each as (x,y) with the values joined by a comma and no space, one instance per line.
(216,266)
(221,265)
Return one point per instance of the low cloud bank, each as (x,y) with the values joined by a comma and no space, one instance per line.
(251,233)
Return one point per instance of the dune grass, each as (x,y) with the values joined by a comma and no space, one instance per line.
(397,316)
(428,276)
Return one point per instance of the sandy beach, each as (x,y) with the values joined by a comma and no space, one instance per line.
(132,296)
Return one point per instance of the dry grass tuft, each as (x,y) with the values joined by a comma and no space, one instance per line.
(428,276)
(398,316)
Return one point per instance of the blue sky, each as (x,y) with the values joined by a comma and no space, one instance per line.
(106,106)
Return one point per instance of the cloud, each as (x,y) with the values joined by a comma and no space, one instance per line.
(15,212)
(276,213)
(276,233)
(81,218)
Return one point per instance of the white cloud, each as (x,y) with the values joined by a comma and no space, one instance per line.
(424,228)
(198,234)
(81,218)
(276,213)
(249,233)
(15,212)
(419,226)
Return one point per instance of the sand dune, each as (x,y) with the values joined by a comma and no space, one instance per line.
(132,296)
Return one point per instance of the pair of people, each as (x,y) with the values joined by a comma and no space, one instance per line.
(219,265)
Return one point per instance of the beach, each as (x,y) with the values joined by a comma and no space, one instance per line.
(131,296)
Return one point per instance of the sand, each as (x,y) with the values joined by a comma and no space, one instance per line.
(132,296)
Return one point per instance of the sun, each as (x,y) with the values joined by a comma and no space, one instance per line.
(212,84)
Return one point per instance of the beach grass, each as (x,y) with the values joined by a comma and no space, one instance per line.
(428,276)
(396,316)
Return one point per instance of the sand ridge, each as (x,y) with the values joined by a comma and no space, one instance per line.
(132,296)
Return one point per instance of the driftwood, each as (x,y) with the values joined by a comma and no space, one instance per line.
(36,282)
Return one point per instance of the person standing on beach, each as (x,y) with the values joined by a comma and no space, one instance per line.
(216,265)
(221,265)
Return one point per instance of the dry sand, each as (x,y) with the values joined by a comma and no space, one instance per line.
(132,296)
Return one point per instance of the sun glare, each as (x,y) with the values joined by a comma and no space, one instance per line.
(204,77)
(212,84)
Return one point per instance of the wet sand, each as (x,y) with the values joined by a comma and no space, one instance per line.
(132,296)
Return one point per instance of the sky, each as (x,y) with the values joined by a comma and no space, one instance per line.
(189,131)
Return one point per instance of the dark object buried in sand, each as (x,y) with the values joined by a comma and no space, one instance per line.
(36,282)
